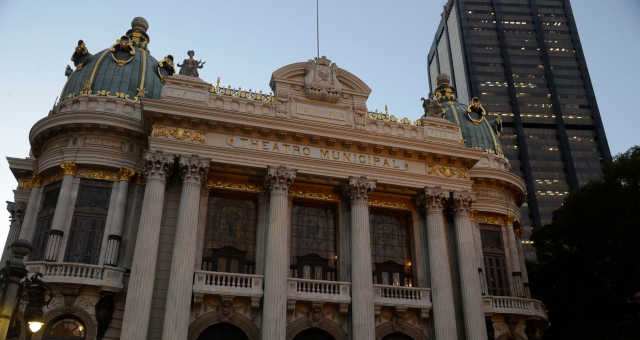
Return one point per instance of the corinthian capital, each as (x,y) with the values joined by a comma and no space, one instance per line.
(69,168)
(192,168)
(359,188)
(157,164)
(279,178)
(435,198)
(462,201)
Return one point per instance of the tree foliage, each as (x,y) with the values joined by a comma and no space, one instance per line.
(589,257)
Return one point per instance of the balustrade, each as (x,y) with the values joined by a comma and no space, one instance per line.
(514,305)
(234,284)
(78,273)
(319,290)
(402,296)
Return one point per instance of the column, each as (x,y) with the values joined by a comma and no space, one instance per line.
(30,215)
(17,213)
(517,288)
(63,206)
(135,321)
(363,322)
(441,286)
(178,306)
(274,307)
(472,308)
(14,271)
(115,233)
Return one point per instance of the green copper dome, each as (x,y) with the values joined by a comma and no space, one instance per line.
(477,129)
(125,70)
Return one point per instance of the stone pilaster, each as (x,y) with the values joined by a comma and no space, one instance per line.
(470,285)
(441,286)
(137,308)
(517,288)
(16,211)
(274,307)
(63,208)
(115,233)
(362,315)
(29,224)
(178,307)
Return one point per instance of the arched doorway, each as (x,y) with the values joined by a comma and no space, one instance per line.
(397,336)
(66,328)
(313,334)
(223,331)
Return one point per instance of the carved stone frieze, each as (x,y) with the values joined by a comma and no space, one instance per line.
(178,133)
(157,165)
(321,80)
(279,178)
(192,168)
(97,173)
(359,188)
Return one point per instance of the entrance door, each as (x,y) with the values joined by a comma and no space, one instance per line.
(223,331)
(313,334)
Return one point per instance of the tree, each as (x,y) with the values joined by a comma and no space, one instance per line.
(588,265)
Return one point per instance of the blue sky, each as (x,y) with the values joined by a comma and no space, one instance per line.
(385,43)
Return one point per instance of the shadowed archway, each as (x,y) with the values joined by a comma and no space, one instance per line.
(223,331)
(313,334)
(397,336)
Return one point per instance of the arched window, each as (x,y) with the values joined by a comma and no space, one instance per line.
(65,328)
(230,237)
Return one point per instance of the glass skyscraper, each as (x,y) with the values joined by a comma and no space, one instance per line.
(524,61)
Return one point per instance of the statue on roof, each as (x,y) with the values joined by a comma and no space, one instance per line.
(165,67)
(81,55)
(190,66)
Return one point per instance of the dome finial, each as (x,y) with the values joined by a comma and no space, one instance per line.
(139,24)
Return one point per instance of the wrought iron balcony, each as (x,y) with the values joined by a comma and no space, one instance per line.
(227,284)
(110,278)
(514,305)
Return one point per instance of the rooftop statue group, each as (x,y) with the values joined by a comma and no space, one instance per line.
(189,67)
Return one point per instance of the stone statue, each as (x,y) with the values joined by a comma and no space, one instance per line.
(80,55)
(165,67)
(432,107)
(190,66)
(68,71)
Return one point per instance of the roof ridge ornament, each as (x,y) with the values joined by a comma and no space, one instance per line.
(321,80)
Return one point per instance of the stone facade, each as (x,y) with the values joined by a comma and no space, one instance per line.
(207,190)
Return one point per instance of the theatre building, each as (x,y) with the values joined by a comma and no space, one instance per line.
(162,206)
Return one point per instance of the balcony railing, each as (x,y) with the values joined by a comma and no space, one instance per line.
(402,296)
(79,273)
(232,284)
(319,290)
(514,305)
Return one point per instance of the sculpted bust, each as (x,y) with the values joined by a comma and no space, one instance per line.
(321,81)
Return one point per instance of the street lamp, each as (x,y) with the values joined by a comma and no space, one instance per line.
(15,281)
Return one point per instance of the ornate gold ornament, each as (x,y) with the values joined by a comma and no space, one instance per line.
(178,133)
(476,107)
(139,178)
(101,174)
(447,171)
(25,183)
(390,204)
(213,183)
(125,174)
(69,168)
(36,181)
(492,218)
(240,93)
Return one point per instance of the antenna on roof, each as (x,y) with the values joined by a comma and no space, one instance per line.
(317,29)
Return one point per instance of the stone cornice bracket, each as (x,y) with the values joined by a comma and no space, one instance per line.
(69,168)
(157,165)
(359,188)
(125,174)
(279,178)
(435,198)
(192,168)
(462,201)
